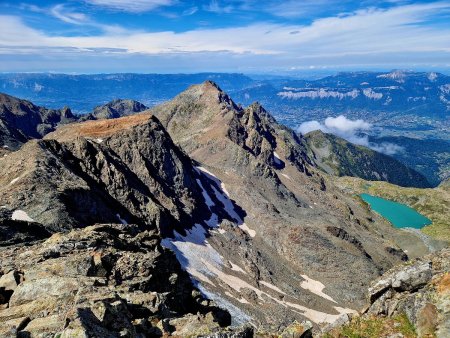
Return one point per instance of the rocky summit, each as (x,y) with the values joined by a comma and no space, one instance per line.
(198,217)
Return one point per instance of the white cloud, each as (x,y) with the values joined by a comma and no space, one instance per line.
(364,36)
(133,6)
(350,130)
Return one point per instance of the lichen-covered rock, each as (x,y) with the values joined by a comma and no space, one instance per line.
(107,281)
(421,290)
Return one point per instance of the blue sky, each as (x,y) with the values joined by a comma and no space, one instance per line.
(91,36)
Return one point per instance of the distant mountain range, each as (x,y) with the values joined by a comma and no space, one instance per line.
(84,92)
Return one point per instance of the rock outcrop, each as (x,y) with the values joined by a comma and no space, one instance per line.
(421,290)
(106,280)
(410,300)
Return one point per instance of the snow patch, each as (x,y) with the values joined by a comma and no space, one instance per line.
(121,219)
(214,178)
(236,267)
(20,215)
(251,232)
(14,180)
(271,286)
(277,158)
(224,199)
(287,176)
(315,287)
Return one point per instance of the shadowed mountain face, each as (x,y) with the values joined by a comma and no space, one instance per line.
(338,157)
(21,120)
(236,196)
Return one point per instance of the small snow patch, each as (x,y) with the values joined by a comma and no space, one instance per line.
(236,267)
(315,287)
(277,158)
(14,181)
(288,177)
(121,219)
(98,140)
(20,215)
(271,286)
(251,232)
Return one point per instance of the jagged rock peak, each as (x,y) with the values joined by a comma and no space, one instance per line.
(209,92)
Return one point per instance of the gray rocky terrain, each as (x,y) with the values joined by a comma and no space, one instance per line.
(133,223)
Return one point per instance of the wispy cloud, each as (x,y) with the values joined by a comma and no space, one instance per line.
(133,6)
(76,18)
(217,7)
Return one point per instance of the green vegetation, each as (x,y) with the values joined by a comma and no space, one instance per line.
(432,203)
(375,327)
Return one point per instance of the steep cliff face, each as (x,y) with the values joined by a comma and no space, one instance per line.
(106,280)
(20,120)
(338,157)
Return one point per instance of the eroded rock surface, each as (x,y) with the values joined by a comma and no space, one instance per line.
(102,281)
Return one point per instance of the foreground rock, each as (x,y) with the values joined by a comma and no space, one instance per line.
(414,296)
(101,281)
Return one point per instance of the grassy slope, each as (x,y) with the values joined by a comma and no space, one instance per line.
(433,203)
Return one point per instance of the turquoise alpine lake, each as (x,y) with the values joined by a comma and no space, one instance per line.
(400,215)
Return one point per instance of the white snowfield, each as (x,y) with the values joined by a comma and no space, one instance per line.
(121,219)
(315,287)
(277,158)
(223,197)
(20,215)
(208,268)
